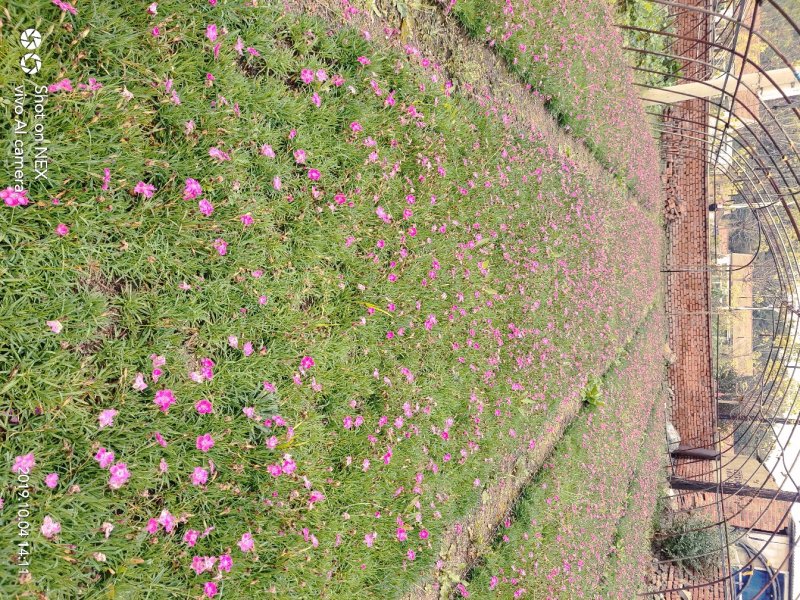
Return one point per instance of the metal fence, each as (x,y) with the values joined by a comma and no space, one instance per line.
(721,80)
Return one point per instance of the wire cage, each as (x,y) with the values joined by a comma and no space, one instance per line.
(721,82)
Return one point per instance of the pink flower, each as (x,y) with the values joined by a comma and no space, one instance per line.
(106,528)
(211,32)
(276,182)
(66,7)
(316,497)
(51,480)
(119,476)
(144,189)
(23,464)
(55,326)
(192,189)
(160,439)
(207,368)
(210,589)
(152,526)
(225,563)
(205,207)
(50,528)
(106,178)
(138,383)
(369,539)
(164,399)
(321,75)
(247,349)
(411,554)
(307,76)
(106,417)
(190,537)
(289,466)
(364,60)
(246,544)
(218,154)
(155,32)
(423,534)
(246,219)
(300,156)
(163,466)
(233,341)
(65,85)
(104,458)
(266,150)
(205,442)
(201,564)
(314,175)
(152,9)
(167,520)
(199,476)
(204,407)
(306,362)
(221,246)
(402,534)
(316,100)
(62,229)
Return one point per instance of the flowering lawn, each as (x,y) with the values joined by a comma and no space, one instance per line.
(632,556)
(576,533)
(286,299)
(569,53)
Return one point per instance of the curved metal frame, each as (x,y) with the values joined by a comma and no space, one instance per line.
(764,169)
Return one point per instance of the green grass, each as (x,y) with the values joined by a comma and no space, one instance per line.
(570,55)
(536,269)
(562,540)
(632,555)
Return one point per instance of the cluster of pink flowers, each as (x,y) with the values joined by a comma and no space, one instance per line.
(13,197)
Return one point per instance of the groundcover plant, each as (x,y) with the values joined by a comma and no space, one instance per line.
(287,300)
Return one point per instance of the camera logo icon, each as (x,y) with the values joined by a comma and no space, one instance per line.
(30,63)
(30,39)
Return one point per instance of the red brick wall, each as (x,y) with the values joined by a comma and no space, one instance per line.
(688,303)
(687,275)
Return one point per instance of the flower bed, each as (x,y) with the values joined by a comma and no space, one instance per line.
(282,304)
(560,540)
(632,557)
(570,54)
